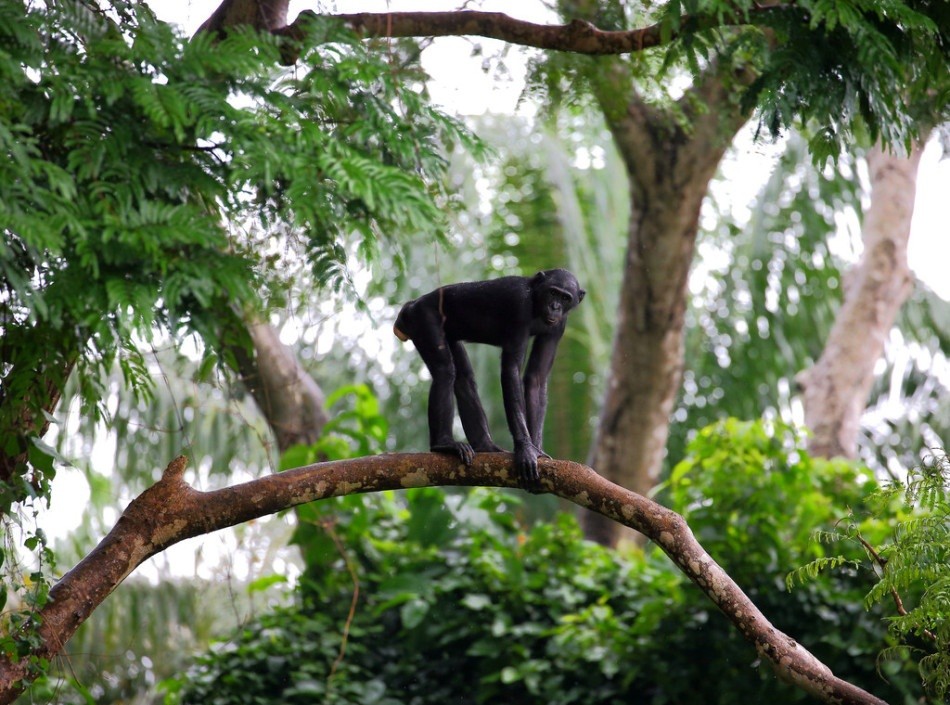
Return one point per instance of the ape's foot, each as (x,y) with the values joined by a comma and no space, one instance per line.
(488,447)
(460,448)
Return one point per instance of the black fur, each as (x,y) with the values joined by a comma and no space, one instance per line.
(504,312)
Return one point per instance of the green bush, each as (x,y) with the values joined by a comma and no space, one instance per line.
(754,499)
(910,566)
(457,602)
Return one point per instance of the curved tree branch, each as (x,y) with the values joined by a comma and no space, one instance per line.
(171,511)
(577,36)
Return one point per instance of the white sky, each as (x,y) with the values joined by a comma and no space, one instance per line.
(461,86)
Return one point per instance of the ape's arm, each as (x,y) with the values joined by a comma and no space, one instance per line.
(536,384)
(513,392)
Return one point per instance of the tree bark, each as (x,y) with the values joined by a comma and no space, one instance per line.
(171,511)
(262,14)
(289,398)
(669,167)
(577,36)
(836,388)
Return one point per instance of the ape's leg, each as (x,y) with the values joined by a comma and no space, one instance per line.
(470,406)
(430,341)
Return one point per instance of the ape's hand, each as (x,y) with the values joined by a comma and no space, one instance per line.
(460,448)
(526,463)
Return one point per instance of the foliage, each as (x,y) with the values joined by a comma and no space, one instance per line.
(753,498)
(148,630)
(117,655)
(853,71)
(764,293)
(153,188)
(772,297)
(911,565)
(909,410)
(745,483)
(441,582)
(25,591)
(193,408)
(152,183)
(352,432)
(432,597)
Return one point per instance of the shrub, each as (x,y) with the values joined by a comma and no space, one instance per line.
(456,601)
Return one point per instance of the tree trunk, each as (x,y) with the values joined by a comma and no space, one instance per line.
(669,167)
(288,397)
(836,388)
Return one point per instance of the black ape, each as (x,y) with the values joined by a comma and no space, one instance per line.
(504,312)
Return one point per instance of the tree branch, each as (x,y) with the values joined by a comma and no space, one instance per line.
(577,36)
(171,511)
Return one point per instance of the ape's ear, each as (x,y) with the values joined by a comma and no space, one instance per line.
(537,278)
(580,295)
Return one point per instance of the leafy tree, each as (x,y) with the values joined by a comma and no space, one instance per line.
(146,183)
(774,65)
(766,298)
(342,155)
(138,164)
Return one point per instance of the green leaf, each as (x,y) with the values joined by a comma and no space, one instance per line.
(265,582)
(413,612)
(510,675)
(476,602)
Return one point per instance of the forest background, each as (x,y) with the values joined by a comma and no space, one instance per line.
(474,88)
(544,173)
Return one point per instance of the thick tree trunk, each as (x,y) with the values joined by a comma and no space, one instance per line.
(669,170)
(836,388)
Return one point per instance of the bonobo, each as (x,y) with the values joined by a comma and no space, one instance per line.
(504,312)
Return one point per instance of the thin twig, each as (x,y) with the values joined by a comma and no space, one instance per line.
(328,527)
(898,602)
